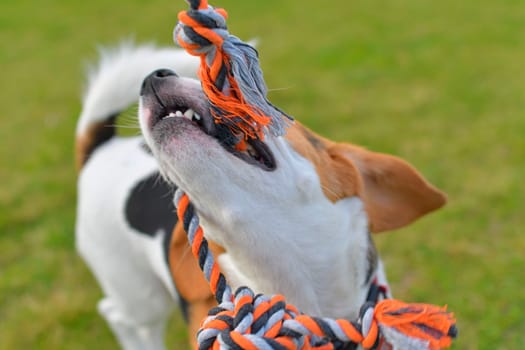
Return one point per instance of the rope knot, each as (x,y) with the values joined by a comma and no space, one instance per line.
(258,322)
(202,31)
(230,73)
(250,322)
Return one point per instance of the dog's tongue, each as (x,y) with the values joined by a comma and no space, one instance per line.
(230,74)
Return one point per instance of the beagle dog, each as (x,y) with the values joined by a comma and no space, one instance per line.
(290,215)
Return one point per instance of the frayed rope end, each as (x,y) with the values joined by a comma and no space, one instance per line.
(415,326)
(230,73)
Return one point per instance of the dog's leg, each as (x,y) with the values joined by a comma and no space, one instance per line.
(130,334)
(137,303)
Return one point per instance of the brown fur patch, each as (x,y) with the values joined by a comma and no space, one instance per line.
(185,269)
(197,311)
(95,135)
(339,178)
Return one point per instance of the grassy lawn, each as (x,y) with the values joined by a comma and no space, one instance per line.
(440,84)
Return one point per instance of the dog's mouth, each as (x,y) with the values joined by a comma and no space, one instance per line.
(173,100)
(256,151)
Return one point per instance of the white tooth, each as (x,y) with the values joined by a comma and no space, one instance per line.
(178,114)
(171,115)
(196,116)
(189,113)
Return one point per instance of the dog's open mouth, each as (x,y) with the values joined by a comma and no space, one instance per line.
(176,100)
(256,152)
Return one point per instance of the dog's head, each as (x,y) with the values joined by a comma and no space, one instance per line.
(296,205)
(286,172)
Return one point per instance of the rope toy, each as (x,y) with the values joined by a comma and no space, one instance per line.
(244,320)
(232,81)
(230,74)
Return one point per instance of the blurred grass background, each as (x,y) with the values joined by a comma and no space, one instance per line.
(439,83)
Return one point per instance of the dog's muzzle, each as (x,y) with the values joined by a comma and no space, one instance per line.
(169,97)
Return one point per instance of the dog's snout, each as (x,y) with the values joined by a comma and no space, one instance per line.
(155,78)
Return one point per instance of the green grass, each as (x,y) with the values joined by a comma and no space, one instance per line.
(440,84)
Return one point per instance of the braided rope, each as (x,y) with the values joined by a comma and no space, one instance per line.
(230,74)
(232,81)
(244,320)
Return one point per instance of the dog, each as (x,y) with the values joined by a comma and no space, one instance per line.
(306,203)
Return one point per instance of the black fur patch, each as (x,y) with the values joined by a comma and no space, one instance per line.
(149,207)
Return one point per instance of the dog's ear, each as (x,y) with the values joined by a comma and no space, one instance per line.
(394,193)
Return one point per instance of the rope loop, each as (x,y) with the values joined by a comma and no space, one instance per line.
(230,74)
(269,323)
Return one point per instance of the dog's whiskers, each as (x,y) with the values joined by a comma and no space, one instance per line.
(129,116)
(178,265)
(126,126)
(328,190)
(281,88)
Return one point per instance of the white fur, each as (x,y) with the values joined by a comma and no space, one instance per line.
(138,291)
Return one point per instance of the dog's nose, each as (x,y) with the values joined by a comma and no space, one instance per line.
(163,73)
(155,78)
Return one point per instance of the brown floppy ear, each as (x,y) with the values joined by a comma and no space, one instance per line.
(394,193)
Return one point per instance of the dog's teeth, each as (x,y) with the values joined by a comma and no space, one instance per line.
(251,151)
(189,113)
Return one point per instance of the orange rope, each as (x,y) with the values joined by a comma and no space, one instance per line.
(229,72)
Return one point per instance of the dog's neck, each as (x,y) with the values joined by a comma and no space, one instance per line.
(322,275)
(315,252)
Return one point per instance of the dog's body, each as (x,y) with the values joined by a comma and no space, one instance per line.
(299,224)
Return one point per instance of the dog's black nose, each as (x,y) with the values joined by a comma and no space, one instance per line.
(163,73)
(155,78)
